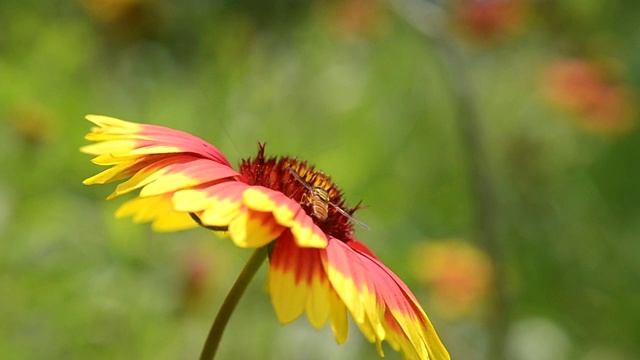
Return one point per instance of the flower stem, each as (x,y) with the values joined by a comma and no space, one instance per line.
(429,20)
(230,302)
(483,192)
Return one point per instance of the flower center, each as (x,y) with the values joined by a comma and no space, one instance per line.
(314,191)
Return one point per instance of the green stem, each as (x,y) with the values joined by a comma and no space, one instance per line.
(229,304)
(428,19)
(483,191)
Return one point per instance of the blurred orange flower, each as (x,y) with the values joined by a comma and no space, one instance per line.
(578,86)
(458,274)
(357,17)
(32,122)
(127,20)
(489,19)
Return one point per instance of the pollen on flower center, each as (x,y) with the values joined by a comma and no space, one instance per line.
(314,191)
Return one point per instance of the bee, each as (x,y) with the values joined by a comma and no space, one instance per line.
(319,200)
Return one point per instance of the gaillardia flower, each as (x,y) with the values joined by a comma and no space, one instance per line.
(316,265)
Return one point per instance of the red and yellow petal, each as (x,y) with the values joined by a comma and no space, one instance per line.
(223,205)
(287,213)
(325,283)
(381,304)
(254,229)
(356,287)
(122,141)
(157,209)
(215,205)
(163,162)
(255,215)
(298,284)
(175,173)
(108,126)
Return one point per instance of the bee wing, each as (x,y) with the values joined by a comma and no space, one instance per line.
(360,223)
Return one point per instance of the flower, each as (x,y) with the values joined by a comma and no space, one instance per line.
(458,273)
(601,102)
(316,266)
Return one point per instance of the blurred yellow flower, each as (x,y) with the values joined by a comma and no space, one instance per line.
(458,274)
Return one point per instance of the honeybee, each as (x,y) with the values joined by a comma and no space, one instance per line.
(319,200)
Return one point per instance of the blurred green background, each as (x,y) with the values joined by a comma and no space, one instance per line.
(355,88)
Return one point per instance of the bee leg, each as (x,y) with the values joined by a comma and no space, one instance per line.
(305,199)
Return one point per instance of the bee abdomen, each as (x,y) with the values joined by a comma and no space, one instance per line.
(320,209)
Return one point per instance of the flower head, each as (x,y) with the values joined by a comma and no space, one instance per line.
(316,266)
